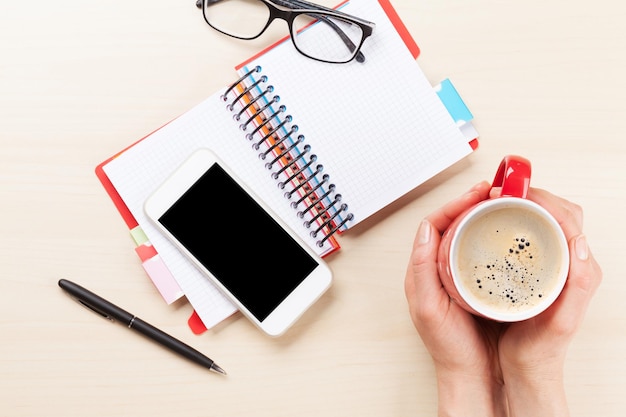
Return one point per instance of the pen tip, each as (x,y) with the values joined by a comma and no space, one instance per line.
(216,368)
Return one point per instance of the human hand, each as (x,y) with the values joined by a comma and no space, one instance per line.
(478,358)
(532,352)
(463,347)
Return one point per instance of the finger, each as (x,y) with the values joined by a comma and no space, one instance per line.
(424,291)
(585,275)
(568,214)
(442,217)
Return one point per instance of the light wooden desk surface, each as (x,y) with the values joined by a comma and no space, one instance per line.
(80,80)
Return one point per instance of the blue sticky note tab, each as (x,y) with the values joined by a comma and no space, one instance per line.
(453,102)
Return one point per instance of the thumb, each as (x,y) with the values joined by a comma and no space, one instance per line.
(423,287)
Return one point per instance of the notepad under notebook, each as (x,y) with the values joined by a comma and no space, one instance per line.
(324,145)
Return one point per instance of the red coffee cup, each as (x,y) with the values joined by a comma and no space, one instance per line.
(506,258)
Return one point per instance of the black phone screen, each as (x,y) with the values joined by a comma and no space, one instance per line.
(229,233)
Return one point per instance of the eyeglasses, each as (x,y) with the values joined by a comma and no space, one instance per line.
(317,32)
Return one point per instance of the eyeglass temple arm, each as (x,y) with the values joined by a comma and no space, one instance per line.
(308,5)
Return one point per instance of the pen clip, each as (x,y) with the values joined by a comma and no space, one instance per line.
(95,310)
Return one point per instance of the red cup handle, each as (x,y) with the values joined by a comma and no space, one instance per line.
(513,176)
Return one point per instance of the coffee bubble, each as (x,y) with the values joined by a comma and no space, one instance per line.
(505,259)
(509,274)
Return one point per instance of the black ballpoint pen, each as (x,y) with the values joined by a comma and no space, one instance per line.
(113,313)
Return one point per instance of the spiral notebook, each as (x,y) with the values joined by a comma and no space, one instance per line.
(325,146)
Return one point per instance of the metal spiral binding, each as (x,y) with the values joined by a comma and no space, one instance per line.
(296,173)
(331,189)
(273,116)
(278,144)
(252,102)
(306,150)
(271,133)
(260,111)
(305,184)
(319,214)
(285,151)
(297,163)
(238,82)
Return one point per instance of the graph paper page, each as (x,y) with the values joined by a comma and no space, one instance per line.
(378,127)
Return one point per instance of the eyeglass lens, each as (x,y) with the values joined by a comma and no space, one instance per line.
(317,35)
(326,37)
(244,19)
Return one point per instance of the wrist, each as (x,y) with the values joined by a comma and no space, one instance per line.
(467,395)
(539,394)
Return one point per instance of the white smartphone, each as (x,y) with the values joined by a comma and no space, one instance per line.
(252,256)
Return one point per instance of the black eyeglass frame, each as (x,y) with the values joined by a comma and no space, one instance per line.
(288,10)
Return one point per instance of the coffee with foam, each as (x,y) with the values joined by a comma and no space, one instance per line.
(508,259)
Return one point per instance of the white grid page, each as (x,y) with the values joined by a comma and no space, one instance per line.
(137,172)
(378,127)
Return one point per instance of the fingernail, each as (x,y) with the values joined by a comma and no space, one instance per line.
(423,233)
(582,249)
